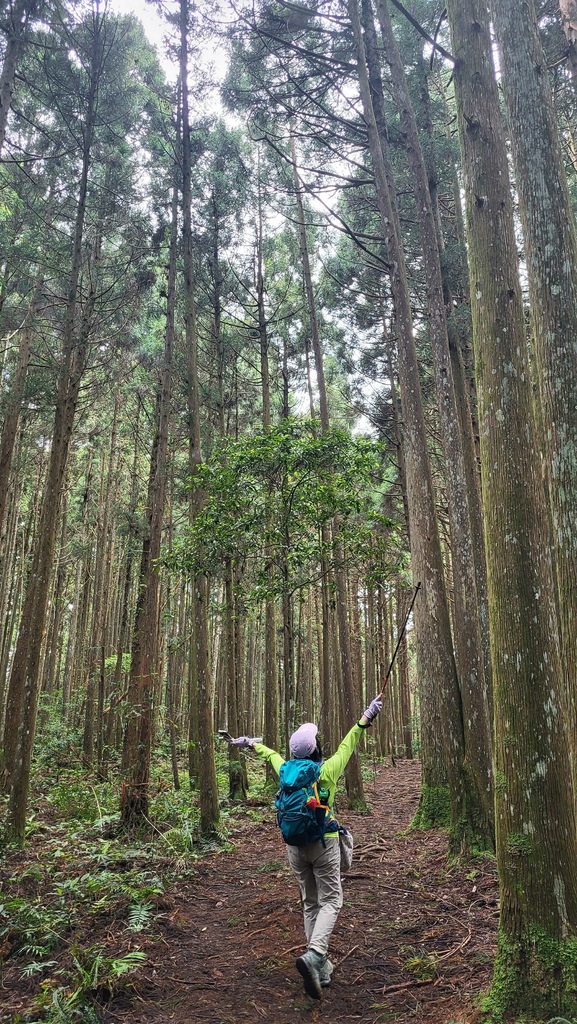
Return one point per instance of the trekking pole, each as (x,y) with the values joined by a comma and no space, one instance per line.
(401,635)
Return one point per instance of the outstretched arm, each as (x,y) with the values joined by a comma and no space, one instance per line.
(274,759)
(255,743)
(334,766)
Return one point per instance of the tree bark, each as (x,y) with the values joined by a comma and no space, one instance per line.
(477,738)
(14,403)
(201,684)
(271,722)
(550,235)
(145,652)
(24,677)
(437,659)
(535,802)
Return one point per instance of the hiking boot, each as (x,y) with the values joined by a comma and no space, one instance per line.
(326,973)
(310,965)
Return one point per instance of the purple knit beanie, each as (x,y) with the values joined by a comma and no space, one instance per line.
(304,740)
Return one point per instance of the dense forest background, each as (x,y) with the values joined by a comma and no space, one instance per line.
(288,309)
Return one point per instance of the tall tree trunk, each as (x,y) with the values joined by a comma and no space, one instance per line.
(288,661)
(10,587)
(353,774)
(351,698)
(437,659)
(477,776)
(126,577)
(550,235)
(24,677)
(146,646)
(237,778)
(80,602)
(535,802)
(209,811)
(271,722)
(171,689)
(53,644)
(463,373)
(145,654)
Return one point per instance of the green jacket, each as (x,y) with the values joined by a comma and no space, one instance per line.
(331,769)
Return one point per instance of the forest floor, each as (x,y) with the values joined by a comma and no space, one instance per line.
(414,942)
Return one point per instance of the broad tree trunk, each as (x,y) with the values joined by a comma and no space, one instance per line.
(535,801)
(463,373)
(550,235)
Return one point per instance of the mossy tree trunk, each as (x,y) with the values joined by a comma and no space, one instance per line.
(535,804)
(550,235)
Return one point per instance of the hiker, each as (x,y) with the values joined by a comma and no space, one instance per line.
(315,864)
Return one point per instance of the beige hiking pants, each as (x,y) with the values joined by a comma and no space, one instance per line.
(317,869)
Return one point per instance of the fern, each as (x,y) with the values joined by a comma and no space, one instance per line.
(36,967)
(129,962)
(68,1009)
(181,839)
(32,949)
(138,916)
(95,969)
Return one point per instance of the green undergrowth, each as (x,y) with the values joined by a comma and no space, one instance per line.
(80,900)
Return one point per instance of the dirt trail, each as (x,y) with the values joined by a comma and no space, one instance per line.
(227,949)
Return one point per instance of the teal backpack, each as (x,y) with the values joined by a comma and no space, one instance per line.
(302,810)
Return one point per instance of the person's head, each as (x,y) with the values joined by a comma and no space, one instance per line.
(305,742)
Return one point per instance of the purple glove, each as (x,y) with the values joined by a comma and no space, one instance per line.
(374,708)
(242,741)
